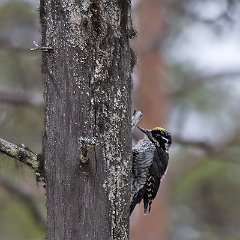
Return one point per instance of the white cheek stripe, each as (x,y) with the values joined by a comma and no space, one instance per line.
(165,139)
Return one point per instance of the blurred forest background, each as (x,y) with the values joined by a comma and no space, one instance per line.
(186,79)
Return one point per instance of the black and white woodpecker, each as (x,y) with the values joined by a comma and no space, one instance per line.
(150,161)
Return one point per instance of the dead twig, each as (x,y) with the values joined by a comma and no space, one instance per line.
(20,153)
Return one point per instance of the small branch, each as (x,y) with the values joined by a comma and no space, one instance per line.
(37,47)
(21,98)
(195,81)
(26,198)
(136,118)
(223,152)
(192,143)
(20,153)
(194,15)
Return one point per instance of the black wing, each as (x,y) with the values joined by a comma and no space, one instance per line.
(153,184)
(140,171)
(156,172)
(153,178)
(137,198)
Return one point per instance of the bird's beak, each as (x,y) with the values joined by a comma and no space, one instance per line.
(145,131)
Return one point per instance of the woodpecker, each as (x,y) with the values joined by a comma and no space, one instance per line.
(150,161)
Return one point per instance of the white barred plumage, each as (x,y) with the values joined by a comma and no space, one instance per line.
(150,160)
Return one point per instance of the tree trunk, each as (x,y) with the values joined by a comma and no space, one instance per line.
(87,140)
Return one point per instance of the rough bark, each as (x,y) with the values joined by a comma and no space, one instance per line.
(87,142)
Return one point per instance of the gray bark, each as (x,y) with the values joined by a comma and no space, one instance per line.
(87,142)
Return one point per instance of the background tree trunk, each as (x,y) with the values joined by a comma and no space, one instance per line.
(87,86)
(152,99)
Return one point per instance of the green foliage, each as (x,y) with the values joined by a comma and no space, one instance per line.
(16,222)
(210,191)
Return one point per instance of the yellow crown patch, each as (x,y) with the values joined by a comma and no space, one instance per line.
(159,128)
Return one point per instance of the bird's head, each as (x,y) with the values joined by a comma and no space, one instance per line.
(159,136)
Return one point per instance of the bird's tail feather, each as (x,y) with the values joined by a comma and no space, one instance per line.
(147,206)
